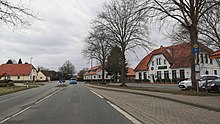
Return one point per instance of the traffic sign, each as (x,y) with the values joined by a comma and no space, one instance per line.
(196,48)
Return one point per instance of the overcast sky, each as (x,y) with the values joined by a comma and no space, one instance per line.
(58,37)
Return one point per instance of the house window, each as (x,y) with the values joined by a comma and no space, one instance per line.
(94,77)
(158,74)
(106,76)
(182,74)
(140,76)
(210,61)
(215,72)
(158,61)
(8,77)
(206,58)
(166,74)
(41,77)
(99,76)
(145,75)
(206,72)
(173,74)
(165,62)
(18,77)
(201,58)
(152,63)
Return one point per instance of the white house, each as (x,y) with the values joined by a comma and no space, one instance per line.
(18,72)
(95,74)
(41,76)
(173,62)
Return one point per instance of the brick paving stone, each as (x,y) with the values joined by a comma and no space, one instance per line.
(151,110)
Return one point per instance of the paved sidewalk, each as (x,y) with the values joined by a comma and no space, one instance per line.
(206,102)
(152,110)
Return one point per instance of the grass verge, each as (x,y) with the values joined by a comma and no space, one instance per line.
(8,90)
(62,85)
(177,92)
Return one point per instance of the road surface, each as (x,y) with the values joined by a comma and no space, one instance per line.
(48,104)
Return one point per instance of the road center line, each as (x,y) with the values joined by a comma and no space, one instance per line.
(5,120)
(18,113)
(132,119)
(96,94)
(41,100)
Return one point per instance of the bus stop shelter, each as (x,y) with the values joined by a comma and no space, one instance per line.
(215,54)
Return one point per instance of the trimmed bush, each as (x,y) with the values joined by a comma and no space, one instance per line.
(6,83)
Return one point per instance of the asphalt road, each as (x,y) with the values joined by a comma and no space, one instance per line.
(73,104)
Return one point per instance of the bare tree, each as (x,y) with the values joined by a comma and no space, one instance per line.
(97,46)
(15,14)
(179,35)
(210,28)
(126,27)
(67,70)
(187,13)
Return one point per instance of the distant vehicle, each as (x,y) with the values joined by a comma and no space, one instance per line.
(186,84)
(213,85)
(73,81)
(61,81)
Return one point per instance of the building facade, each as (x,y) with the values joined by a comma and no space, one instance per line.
(172,63)
(95,74)
(41,76)
(18,72)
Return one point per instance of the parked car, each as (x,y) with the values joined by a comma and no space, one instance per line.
(203,79)
(73,81)
(213,85)
(208,80)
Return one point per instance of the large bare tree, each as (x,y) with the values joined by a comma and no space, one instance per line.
(210,28)
(187,13)
(126,27)
(16,14)
(97,46)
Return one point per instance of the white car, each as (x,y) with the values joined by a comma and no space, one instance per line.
(203,79)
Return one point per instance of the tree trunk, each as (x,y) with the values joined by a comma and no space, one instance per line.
(103,74)
(194,40)
(123,69)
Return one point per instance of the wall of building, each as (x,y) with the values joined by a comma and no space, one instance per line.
(159,65)
(41,76)
(97,76)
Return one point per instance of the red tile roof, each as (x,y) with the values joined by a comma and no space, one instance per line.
(130,72)
(215,54)
(94,70)
(177,55)
(15,69)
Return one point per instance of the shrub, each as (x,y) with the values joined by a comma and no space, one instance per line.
(5,83)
